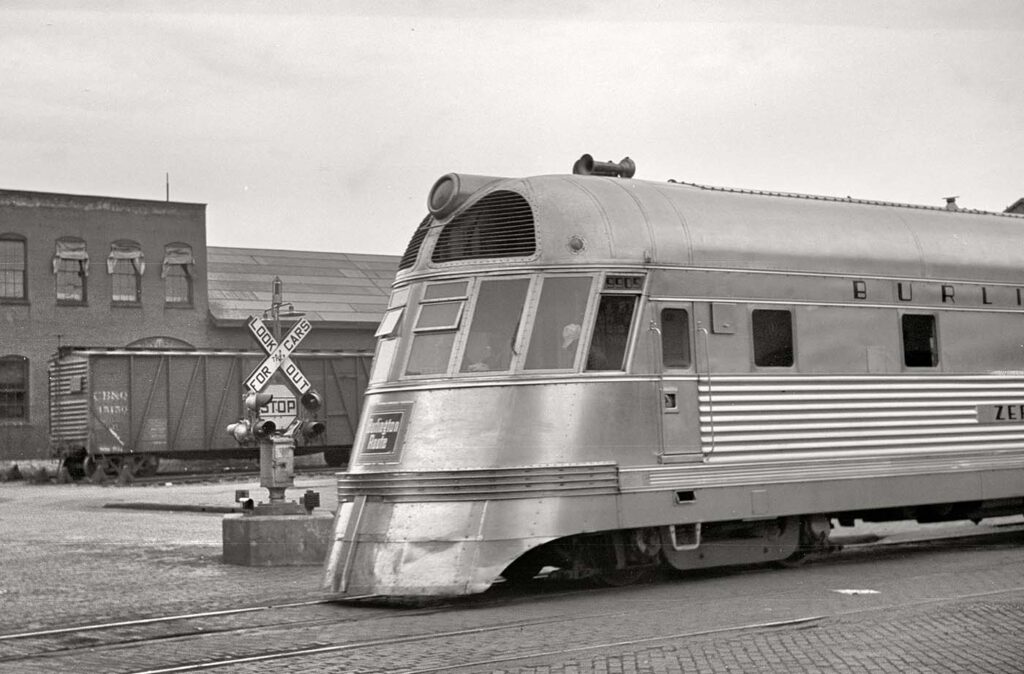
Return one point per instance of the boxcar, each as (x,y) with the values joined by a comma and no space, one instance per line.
(605,375)
(122,410)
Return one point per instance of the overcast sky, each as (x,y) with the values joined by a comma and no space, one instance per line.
(322,125)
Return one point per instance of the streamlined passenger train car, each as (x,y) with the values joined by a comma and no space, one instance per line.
(605,375)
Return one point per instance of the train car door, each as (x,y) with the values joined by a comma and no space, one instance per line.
(679,405)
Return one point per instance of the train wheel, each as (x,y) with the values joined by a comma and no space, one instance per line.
(75,468)
(147,465)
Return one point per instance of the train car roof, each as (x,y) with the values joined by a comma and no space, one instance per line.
(625,221)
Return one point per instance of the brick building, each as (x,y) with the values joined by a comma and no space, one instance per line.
(103,271)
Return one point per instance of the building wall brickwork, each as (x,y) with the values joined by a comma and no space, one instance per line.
(33,327)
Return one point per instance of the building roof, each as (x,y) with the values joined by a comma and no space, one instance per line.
(334,289)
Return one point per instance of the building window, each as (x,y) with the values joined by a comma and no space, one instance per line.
(13,282)
(71,267)
(13,388)
(920,347)
(126,265)
(177,271)
(773,337)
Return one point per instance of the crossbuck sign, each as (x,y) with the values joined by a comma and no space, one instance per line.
(278,355)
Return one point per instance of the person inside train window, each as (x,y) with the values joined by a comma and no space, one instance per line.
(556,329)
(495,326)
(611,332)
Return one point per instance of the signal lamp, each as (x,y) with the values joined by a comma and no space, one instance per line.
(311,429)
(240,431)
(312,400)
(264,429)
(254,401)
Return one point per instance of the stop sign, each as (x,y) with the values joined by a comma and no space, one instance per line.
(282,408)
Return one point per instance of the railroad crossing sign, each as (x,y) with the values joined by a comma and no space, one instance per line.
(282,408)
(278,355)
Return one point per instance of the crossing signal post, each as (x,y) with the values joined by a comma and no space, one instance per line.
(278,532)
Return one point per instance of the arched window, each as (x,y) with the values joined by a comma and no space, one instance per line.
(177,272)
(13,282)
(71,267)
(13,388)
(126,265)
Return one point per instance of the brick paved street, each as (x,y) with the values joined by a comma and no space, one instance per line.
(67,560)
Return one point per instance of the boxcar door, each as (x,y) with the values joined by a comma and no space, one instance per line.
(679,412)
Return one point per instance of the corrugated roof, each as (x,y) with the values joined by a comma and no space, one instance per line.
(338,289)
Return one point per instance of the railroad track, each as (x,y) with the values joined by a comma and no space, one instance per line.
(507,628)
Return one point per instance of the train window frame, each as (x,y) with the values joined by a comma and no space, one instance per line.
(466,335)
(530,328)
(440,292)
(934,346)
(754,340)
(687,331)
(613,285)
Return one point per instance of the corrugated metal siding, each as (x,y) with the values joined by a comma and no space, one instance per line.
(750,417)
(69,404)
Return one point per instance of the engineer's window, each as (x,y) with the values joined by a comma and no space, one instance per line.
(177,272)
(13,388)
(12,268)
(71,268)
(495,326)
(126,265)
(440,313)
(611,332)
(675,338)
(773,337)
(555,340)
(920,347)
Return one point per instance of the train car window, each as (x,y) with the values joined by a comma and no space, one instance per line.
(493,331)
(773,337)
(611,332)
(919,341)
(675,338)
(442,291)
(556,330)
(439,316)
(389,324)
(430,353)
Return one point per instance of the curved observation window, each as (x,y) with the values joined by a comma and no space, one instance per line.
(500,225)
(556,330)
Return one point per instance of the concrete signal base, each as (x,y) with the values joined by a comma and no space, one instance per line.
(276,540)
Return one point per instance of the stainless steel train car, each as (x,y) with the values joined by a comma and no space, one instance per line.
(604,375)
(119,411)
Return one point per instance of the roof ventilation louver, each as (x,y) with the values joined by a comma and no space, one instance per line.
(500,225)
(413,251)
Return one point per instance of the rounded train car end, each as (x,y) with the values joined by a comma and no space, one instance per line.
(603,376)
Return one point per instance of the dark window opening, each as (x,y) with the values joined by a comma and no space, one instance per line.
(12,267)
(13,388)
(71,286)
(773,337)
(675,338)
(611,333)
(919,341)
